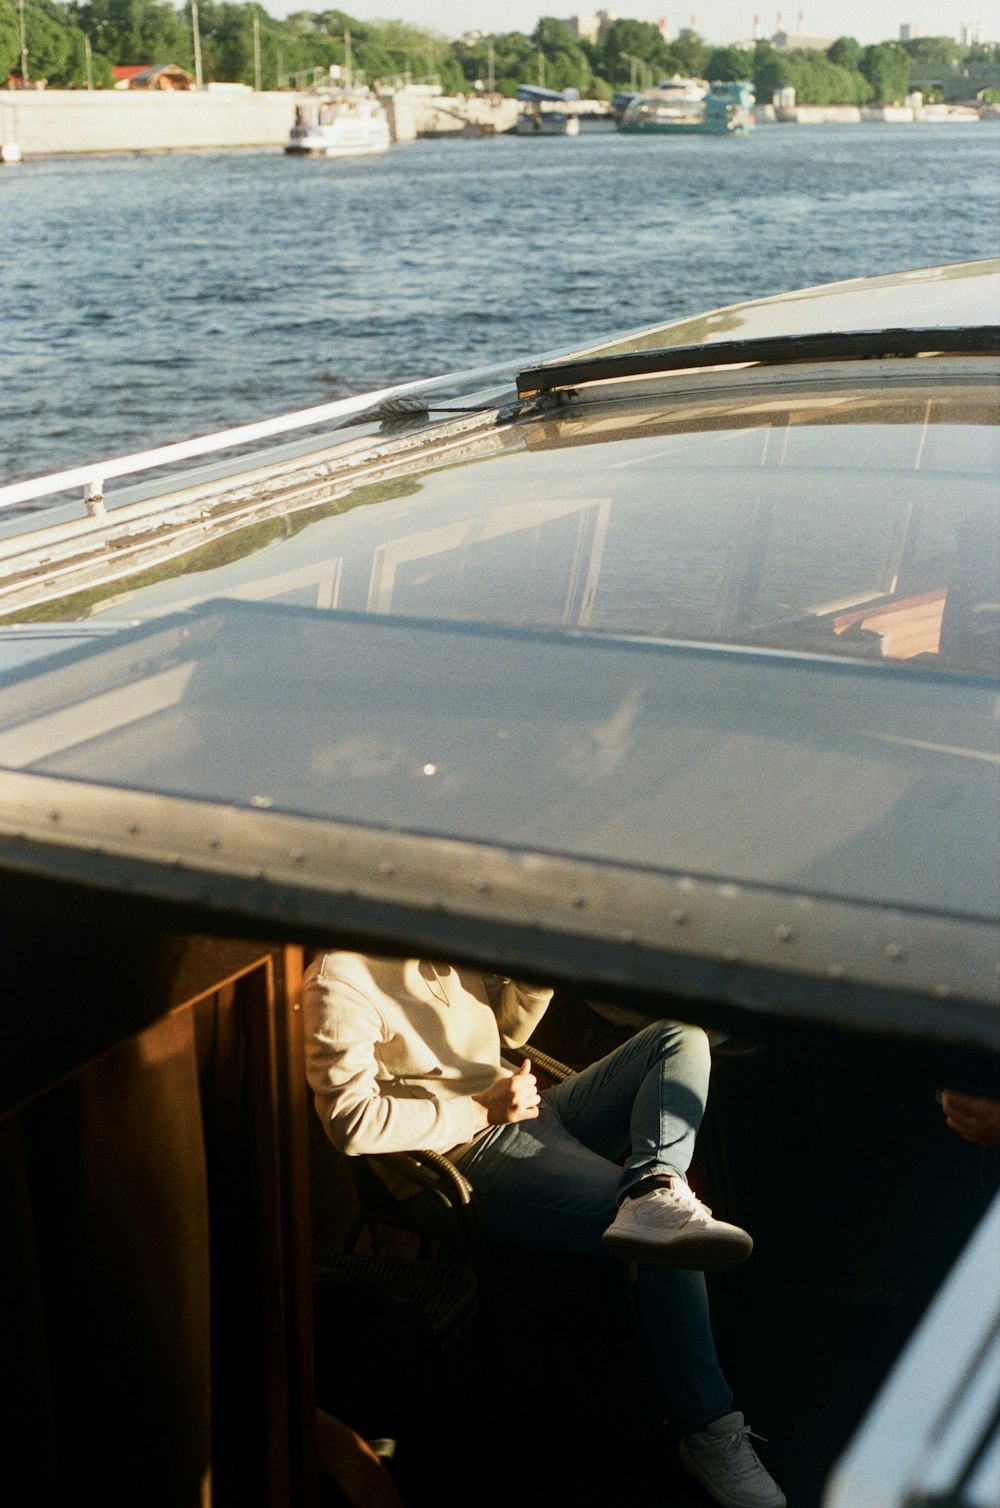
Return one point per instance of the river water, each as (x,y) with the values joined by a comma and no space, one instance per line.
(147,298)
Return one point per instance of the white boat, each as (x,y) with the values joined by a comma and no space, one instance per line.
(346,123)
(544,113)
(534,121)
(686,107)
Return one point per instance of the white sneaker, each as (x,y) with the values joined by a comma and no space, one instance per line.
(670,1225)
(722,1459)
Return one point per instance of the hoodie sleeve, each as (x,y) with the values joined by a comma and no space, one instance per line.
(518,1007)
(361,1111)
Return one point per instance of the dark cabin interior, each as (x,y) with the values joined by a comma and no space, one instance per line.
(174,1311)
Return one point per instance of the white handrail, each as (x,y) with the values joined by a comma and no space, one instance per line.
(92,475)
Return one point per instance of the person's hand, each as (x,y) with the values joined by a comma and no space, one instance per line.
(974,1118)
(511,1099)
(348,1462)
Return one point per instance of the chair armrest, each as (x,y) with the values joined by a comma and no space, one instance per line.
(429,1170)
(551,1067)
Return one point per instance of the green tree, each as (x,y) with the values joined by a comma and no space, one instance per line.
(846,53)
(49,45)
(726,64)
(818,81)
(227,40)
(515,61)
(628,40)
(932,53)
(772,71)
(10,40)
(57,48)
(886,67)
(566,64)
(687,54)
(136,31)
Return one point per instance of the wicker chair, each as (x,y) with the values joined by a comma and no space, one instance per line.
(440,1219)
(439,1208)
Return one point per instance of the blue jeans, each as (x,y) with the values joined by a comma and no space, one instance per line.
(553,1184)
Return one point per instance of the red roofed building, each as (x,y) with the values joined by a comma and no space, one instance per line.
(125,73)
(147,76)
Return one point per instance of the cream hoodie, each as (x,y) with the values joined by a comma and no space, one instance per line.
(395,1048)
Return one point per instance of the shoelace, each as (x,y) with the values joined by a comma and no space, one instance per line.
(687,1196)
(744,1457)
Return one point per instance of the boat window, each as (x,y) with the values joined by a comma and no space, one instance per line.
(829,779)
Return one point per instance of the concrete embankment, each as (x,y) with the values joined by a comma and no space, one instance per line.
(464,115)
(52,122)
(834,115)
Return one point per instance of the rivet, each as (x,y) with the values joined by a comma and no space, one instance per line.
(54,816)
(298,856)
(579,901)
(678,916)
(836,971)
(256,872)
(628,937)
(784,934)
(732,955)
(942,991)
(133,828)
(261,801)
(484,887)
(893,951)
(386,867)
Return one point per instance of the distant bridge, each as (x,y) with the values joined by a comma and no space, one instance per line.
(959,85)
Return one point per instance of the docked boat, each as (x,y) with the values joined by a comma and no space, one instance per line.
(664,672)
(344,123)
(688,107)
(544,112)
(537,122)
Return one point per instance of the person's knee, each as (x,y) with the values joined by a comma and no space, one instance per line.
(676,1036)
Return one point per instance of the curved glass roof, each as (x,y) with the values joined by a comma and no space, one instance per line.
(846,515)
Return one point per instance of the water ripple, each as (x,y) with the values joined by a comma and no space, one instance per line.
(152,297)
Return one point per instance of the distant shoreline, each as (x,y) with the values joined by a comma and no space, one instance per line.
(49,123)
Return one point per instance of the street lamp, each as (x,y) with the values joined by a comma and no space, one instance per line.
(645,73)
(196,35)
(24,45)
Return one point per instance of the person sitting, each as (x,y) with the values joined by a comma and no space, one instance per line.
(407,1054)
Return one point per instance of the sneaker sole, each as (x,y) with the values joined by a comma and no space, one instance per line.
(704,1255)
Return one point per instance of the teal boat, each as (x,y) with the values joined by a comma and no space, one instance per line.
(688,107)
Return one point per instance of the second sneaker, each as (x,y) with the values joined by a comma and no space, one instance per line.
(667,1223)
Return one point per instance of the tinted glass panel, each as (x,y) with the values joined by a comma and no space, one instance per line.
(857,519)
(808,774)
